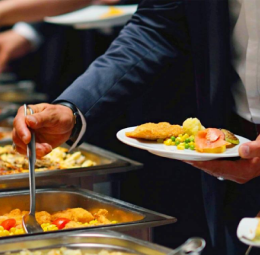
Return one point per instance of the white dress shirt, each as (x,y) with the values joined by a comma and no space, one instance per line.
(28,32)
(245,49)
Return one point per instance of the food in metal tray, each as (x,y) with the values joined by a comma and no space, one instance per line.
(65,251)
(11,223)
(12,162)
(5,134)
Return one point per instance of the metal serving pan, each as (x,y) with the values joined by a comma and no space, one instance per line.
(128,216)
(22,97)
(107,163)
(94,241)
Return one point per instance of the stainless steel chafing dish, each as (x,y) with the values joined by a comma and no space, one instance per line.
(128,216)
(22,96)
(107,163)
(96,241)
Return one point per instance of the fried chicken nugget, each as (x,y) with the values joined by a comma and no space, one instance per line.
(81,215)
(75,214)
(43,217)
(61,214)
(16,214)
(101,216)
(74,224)
(153,131)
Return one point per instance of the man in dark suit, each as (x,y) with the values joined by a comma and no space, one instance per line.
(166,41)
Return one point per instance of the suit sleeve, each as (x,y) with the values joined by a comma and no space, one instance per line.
(155,39)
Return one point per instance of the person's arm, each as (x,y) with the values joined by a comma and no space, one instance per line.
(151,46)
(12,45)
(13,11)
(154,42)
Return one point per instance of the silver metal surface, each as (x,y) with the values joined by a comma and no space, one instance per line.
(128,216)
(108,163)
(20,86)
(22,96)
(91,241)
(30,224)
(248,250)
(7,78)
(193,246)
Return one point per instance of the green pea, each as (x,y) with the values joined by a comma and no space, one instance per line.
(192,147)
(173,138)
(192,139)
(186,146)
(177,142)
(187,140)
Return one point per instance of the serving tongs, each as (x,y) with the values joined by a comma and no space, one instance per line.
(30,225)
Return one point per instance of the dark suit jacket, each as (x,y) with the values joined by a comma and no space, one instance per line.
(161,35)
(161,41)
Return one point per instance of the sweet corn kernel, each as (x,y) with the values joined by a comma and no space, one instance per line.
(182,139)
(178,139)
(51,227)
(180,147)
(185,136)
(93,222)
(19,231)
(167,142)
(45,225)
(114,222)
(4,233)
(1,228)
(12,230)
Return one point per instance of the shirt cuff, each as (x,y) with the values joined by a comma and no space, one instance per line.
(28,32)
(82,131)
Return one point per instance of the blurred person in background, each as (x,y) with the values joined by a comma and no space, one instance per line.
(47,53)
(13,11)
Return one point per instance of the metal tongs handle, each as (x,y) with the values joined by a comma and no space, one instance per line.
(192,246)
(31,154)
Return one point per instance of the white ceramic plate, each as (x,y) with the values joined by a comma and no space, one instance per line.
(246,231)
(91,17)
(172,152)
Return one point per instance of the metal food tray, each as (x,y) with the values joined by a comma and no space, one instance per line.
(87,242)
(95,241)
(107,163)
(128,216)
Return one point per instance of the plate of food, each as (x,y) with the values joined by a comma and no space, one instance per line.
(96,16)
(191,141)
(248,231)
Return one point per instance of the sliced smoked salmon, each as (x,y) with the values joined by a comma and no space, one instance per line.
(210,140)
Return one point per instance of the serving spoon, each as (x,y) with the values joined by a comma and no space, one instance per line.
(30,224)
(193,246)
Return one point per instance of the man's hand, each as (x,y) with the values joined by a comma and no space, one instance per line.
(52,125)
(12,46)
(240,171)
